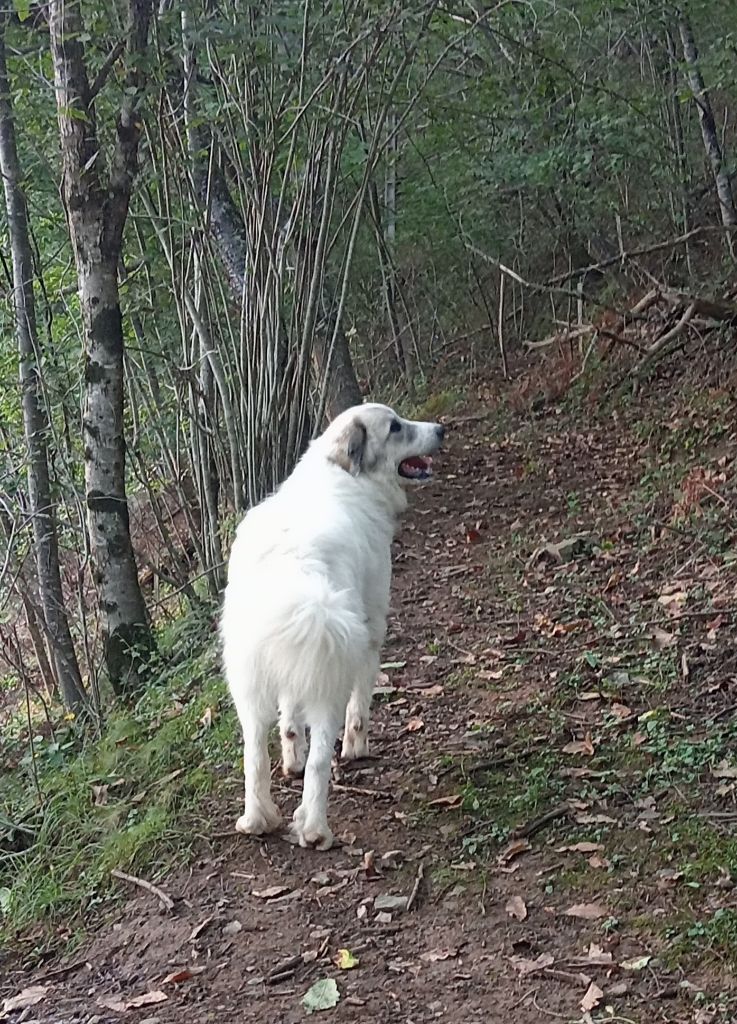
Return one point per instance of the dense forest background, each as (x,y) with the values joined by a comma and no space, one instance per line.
(226,221)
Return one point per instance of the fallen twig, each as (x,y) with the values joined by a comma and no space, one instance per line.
(538,824)
(416,887)
(377,794)
(59,972)
(148,886)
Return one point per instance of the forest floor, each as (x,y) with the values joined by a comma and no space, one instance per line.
(553,774)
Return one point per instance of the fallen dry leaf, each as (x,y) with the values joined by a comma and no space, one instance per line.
(121,1005)
(206,720)
(271,892)
(724,770)
(596,955)
(593,997)
(620,710)
(414,725)
(28,997)
(446,801)
(516,907)
(432,956)
(595,819)
(637,963)
(584,746)
(584,847)
(524,966)
(184,974)
(597,861)
(587,911)
(514,849)
(662,638)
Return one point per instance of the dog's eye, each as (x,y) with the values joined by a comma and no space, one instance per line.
(395,427)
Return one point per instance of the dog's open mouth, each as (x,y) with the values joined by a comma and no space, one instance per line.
(418,467)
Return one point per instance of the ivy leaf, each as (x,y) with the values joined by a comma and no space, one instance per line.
(22,9)
(323,995)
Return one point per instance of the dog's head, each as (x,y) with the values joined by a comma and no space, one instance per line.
(373,440)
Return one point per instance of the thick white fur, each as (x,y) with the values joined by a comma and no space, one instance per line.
(305,608)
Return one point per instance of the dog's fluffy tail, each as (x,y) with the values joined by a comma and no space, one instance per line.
(315,616)
(306,634)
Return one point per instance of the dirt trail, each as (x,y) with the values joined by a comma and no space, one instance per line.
(474,736)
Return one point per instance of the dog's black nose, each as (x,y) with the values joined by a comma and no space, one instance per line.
(440,431)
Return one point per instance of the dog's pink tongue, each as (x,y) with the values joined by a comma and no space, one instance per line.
(418,466)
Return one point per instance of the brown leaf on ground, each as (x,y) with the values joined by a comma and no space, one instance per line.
(620,710)
(597,861)
(593,997)
(272,892)
(184,974)
(446,801)
(432,956)
(28,997)
(587,911)
(662,638)
(516,907)
(121,1005)
(514,849)
(584,746)
(580,848)
(524,966)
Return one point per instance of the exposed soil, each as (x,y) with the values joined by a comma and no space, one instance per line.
(515,719)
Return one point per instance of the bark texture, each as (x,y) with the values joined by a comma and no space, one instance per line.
(708,125)
(66,672)
(96,200)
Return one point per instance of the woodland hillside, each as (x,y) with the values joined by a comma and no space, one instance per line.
(224,222)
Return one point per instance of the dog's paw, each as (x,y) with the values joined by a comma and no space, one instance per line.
(314,835)
(257,821)
(355,746)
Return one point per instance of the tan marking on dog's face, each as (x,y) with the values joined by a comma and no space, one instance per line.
(349,448)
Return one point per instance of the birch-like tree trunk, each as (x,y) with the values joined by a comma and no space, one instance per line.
(708,128)
(35,421)
(96,200)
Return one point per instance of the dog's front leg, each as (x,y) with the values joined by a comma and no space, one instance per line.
(310,824)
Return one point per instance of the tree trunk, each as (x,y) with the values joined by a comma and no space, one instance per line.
(708,128)
(35,423)
(97,208)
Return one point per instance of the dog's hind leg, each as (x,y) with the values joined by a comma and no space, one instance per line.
(293,741)
(261,813)
(358,714)
(310,824)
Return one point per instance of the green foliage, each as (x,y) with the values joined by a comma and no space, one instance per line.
(130,800)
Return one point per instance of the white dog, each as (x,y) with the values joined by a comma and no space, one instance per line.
(306,603)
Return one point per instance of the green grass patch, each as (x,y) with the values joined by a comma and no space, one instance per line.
(74,807)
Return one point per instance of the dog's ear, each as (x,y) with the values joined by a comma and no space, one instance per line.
(350,448)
